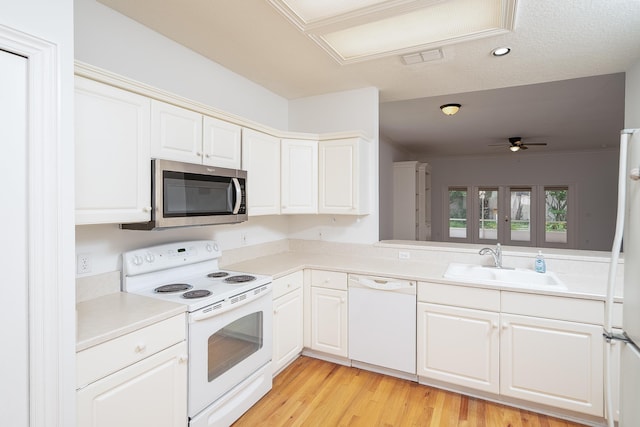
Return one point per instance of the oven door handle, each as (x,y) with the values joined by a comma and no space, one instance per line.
(236,185)
(204,315)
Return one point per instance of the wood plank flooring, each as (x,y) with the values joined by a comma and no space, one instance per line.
(312,392)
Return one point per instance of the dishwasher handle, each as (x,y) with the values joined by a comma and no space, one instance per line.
(381,284)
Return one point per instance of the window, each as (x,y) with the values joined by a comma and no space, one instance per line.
(457,214)
(555,214)
(534,215)
(487,214)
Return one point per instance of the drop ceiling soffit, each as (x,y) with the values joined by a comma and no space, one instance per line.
(362,30)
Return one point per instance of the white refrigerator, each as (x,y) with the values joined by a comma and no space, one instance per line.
(627,231)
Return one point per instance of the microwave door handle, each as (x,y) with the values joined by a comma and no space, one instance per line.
(236,185)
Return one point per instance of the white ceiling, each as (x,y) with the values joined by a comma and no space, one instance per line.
(553,41)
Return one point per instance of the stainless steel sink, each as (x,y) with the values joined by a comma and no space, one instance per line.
(518,277)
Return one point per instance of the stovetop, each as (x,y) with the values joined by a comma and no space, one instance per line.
(186,273)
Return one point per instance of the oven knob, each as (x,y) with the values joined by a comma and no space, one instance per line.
(209,247)
(150,257)
(137,260)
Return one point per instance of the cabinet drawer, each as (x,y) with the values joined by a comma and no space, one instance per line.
(99,361)
(329,279)
(286,284)
(550,307)
(459,296)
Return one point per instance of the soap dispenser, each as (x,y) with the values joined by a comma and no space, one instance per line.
(540,264)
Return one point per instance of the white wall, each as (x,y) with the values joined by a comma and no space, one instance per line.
(632,97)
(52,21)
(336,112)
(389,153)
(593,173)
(107,39)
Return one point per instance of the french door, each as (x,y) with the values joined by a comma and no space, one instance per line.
(535,215)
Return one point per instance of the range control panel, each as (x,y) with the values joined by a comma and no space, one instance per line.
(169,255)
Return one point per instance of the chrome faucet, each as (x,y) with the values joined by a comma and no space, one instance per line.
(496,254)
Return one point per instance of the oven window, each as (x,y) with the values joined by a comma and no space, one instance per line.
(234,343)
(187,194)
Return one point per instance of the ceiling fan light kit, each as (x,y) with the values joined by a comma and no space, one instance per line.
(450,109)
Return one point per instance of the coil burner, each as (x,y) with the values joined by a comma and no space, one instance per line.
(239,279)
(218,274)
(198,293)
(174,287)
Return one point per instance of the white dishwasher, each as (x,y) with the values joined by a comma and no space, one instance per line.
(382,324)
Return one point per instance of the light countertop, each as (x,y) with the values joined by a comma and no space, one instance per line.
(110,316)
(577,285)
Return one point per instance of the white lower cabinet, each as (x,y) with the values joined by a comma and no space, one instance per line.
(535,348)
(329,312)
(287,320)
(459,346)
(138,379)
(152,392)
(552,362)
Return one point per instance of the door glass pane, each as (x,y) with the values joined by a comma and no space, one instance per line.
(488,214)
(234,343)
(520,215)
(556,214)
(458,213)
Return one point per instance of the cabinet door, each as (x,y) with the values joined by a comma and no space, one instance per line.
(329,321)
(459,346)
(343,177)
(287,328)
(221,143)
(176,133)
(112,162)
(261,160)
(552,362)
(299,176)
(152,392)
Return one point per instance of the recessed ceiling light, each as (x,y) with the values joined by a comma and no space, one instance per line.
(500,51)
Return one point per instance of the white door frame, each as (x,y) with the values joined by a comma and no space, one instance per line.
(50,331)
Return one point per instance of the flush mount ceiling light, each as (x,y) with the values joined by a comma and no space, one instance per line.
(450,109)
(360,30)
(500,51)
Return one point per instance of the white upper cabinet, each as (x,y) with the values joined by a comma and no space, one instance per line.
(112,164)
(186,136)
(176,133)
(261,160)
(343,177)
(221,144)
(299,176)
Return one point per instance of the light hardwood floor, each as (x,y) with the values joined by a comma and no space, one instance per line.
(312,392)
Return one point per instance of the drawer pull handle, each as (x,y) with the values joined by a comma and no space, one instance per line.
(140,348)
(183,358)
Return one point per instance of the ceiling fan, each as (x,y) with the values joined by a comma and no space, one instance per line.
(516,144)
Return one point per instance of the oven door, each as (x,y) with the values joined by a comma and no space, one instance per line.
(227,348)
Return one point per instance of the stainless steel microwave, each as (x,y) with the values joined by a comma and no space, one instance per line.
(186,194)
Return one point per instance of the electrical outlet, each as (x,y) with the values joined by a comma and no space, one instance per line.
(404,255)
(83,264)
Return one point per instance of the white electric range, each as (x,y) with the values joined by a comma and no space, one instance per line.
(229,324)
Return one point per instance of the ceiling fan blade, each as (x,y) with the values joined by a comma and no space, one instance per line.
(536,143)
(496,145)
(523,147)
